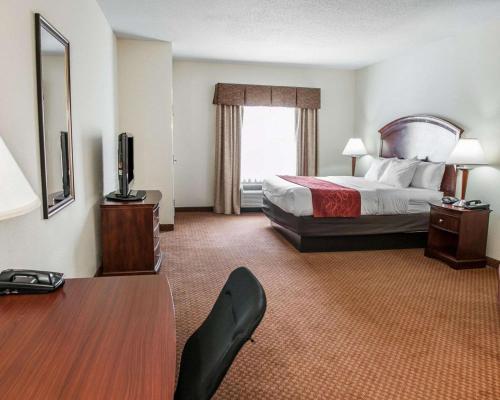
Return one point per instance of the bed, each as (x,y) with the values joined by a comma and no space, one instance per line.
(390,217)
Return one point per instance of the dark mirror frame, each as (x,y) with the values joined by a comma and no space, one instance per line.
(48,210)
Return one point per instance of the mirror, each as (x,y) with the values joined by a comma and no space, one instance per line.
(54,117)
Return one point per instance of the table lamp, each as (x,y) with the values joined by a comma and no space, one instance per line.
(17,196)
(354,148)
(466,154)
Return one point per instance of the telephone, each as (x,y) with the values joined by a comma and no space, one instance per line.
(449,200)
(476,205)
(23,281)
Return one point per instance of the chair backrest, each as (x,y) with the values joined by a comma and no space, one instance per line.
(210,351)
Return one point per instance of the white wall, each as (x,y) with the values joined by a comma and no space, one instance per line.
(194,118)
(145,99)
(69,241)
(458,79)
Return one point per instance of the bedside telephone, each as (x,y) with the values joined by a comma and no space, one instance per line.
(469,205)
(22,281)
(476,205)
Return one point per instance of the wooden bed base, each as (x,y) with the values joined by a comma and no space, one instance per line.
(426,137)
(309,244)
(377,232)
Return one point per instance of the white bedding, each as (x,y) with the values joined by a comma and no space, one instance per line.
(376,198)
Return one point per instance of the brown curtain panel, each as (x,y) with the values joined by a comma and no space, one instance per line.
(307,141)
(228,157)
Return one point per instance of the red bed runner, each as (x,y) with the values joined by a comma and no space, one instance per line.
(329,199)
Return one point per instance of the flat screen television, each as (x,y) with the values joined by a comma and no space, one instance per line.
(126,172)
(125,164)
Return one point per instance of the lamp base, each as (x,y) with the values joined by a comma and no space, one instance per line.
(465,178)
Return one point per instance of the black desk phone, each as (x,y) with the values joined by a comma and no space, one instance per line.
(22,281)
(476,205)
(469,205)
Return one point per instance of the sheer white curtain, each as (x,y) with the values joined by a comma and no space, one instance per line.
(268,143)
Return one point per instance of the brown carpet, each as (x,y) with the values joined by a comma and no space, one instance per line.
(353,325)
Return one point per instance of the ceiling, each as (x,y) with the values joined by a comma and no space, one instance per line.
(340,33)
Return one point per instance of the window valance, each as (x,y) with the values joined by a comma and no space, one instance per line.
(267,96)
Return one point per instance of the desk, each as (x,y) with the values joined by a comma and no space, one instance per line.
(98,338)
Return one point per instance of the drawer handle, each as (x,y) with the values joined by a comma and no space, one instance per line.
(440,220)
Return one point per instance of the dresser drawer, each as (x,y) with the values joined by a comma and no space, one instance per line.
(156,229)
(156,246)
(445,221)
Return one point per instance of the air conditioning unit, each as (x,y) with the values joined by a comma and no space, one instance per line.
(251,195)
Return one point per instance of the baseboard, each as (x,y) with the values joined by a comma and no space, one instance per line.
(194,209)
(492,262)
(166,227)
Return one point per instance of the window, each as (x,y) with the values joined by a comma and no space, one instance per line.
(268,143)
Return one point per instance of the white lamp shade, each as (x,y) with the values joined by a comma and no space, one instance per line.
(354,147)
(17,196)
(467,152)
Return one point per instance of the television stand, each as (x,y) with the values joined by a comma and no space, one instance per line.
(134,195)
(130,234)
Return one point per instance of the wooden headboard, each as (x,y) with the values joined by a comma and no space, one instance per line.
(426,137)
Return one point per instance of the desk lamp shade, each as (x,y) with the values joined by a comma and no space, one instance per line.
(354,148)
(467,152)
(17,196)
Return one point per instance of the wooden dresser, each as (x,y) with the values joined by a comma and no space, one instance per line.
(458,236)
(131,236)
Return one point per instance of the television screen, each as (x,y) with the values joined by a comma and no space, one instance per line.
(130,153)
(125,163)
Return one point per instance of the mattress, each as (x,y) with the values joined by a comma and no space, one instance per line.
(376,198)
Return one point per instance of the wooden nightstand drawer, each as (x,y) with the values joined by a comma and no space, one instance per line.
(445,221)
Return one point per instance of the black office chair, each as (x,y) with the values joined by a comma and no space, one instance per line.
(210,351)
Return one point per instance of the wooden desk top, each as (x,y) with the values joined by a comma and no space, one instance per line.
(98,338)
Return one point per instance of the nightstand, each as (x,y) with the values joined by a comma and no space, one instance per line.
(458,236)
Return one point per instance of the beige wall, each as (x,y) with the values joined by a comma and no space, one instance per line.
(145,99)
(69,241)
(194,118)
(458,79)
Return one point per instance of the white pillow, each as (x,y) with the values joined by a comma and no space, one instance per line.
(428,175)
(399,173)
(377,168)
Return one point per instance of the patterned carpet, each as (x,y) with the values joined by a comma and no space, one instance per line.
(354,325)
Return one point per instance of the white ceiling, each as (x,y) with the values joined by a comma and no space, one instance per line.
(341,33)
